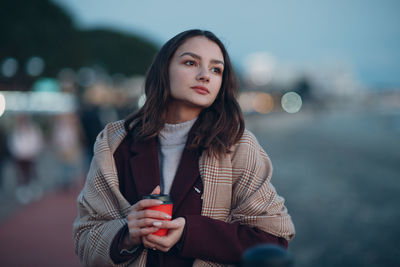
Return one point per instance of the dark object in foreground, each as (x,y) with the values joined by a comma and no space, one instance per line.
(266,256)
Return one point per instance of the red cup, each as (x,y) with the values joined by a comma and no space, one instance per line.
(165,207)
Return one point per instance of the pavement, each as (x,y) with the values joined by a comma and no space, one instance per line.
(40,233)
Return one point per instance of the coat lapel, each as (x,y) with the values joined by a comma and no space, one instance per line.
(144,166)
(187,172)
(186,176)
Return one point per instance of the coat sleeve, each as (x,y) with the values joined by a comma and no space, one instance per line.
(217,241)
(255,201)
(98,222)
(257,214)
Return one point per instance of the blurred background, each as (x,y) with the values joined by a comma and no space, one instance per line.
(319,87)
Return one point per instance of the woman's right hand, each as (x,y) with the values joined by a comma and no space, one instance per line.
(140,219)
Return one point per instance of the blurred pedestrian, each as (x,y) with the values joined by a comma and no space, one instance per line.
(188,141)
(66,141)
(25,143)
(91,123)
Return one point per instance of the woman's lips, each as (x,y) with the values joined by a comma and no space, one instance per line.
(201,90)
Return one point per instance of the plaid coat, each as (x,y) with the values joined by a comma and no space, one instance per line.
(237,188)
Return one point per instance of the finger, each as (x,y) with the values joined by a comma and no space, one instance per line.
(174,224)
(146,203)
(146,222)
(148,214)
(141,223)
(147,243)
(142,232)
(155,214)
(156,190)
(163,243)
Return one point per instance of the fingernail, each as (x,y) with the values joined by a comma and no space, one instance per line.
(159,202)
(157,223)
(167,216)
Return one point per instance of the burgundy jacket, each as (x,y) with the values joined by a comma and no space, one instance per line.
(203,237)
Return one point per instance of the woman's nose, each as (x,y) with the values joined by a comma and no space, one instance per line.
(203,76)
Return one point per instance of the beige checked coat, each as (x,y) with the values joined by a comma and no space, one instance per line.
(237,188)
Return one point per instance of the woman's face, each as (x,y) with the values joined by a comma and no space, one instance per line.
(195,74)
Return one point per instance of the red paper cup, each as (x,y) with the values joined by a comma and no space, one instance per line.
(166,207)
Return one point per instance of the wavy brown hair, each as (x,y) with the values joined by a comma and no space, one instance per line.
(218,127)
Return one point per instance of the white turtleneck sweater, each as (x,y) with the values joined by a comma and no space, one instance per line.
(172,141)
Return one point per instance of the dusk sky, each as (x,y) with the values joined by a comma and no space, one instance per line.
(362,35)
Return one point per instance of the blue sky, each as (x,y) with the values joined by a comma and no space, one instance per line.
(361,34)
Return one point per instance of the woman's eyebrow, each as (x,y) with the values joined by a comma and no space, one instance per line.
(214,61)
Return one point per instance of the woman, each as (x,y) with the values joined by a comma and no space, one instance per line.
(189,141)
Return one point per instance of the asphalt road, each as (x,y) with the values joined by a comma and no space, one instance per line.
(340,175)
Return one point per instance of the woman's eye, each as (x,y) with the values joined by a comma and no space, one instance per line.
(190,63)
(217,70)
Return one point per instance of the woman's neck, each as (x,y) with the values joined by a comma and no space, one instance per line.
(178,114)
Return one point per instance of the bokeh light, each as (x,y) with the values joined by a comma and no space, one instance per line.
(86,77)
(141,101)
(34,66)
(2,104)
(46,85)
(259,68)
(263,103)
(9,67)
(291,102)
(246,102)
(67,78)
(38,102)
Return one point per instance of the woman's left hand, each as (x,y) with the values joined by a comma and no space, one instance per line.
(165,243)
